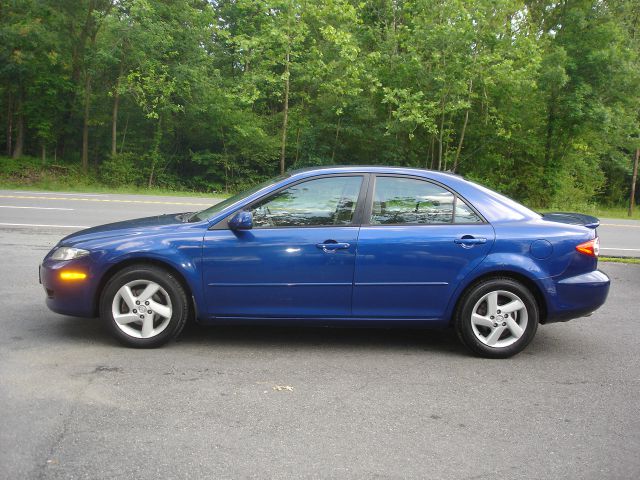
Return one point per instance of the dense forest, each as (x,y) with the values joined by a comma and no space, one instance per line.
(539,99)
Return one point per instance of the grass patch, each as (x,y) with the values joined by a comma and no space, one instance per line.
(616,212)
(29,174)
(635,261)
(597,211)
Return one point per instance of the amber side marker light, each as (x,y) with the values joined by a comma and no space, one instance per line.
(72,275)
(590,248)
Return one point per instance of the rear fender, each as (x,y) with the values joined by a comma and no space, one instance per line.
(503,264)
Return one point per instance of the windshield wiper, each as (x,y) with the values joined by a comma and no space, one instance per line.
(185,217)
(190,217)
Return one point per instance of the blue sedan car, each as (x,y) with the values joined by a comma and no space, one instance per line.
(356,246)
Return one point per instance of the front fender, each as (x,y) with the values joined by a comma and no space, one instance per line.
(178,252)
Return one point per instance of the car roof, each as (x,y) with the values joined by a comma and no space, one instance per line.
(372,169)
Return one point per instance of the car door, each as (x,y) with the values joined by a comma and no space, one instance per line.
(298,259)
(417,242)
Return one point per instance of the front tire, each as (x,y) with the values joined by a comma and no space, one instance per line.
(144,306)
(497,318)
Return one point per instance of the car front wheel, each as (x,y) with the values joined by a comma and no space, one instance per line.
(497,318)
(144,306)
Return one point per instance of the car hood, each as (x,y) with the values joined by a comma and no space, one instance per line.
(124,228)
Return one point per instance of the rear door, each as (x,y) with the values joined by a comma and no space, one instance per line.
(417,242)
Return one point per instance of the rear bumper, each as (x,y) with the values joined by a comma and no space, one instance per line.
(577,296)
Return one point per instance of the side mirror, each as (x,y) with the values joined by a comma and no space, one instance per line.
(242,220)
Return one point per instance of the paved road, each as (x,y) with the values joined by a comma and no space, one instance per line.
(620,238)
(303,403)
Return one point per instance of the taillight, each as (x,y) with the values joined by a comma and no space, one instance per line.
(591,248)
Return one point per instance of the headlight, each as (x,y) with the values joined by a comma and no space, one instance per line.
(68,253)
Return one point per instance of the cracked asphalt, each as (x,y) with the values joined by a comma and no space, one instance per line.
(310,403)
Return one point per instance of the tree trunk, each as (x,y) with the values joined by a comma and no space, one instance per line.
(634,179)
(297,157)
(78,62)
(9,125)
(285,118)
(156,151)
(464,128)
(85,124)
(459,149)
(43,153)
(551,118)
(335,141)
(440,134)
(445,154)
(19,148)
(153,168)
(124,133)
(426,155)
(433,150)
(226,161)
(94,28)
(295,160)
(114,118)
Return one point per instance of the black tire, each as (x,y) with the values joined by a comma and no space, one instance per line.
(465,329)
(171,326)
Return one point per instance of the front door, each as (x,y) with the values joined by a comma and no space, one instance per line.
(418,242)
(298,260)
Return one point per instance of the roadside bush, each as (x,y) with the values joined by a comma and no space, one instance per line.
(31,171)
(120,170)
(19,167)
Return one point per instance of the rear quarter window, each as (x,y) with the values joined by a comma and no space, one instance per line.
(411,201)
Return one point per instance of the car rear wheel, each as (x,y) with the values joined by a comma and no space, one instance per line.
(497,318)
(144,306)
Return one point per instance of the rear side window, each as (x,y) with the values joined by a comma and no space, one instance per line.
(398,201)
(464,213)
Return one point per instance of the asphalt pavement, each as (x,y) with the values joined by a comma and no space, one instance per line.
(240,402)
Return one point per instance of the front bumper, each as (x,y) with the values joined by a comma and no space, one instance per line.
(577,296)
(69,297)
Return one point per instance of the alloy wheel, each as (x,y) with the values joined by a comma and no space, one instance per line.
(499,318)
(142,309)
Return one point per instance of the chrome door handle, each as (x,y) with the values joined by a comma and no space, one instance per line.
(331,247)
(469,240)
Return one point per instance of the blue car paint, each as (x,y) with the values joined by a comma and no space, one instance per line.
(278,272)
(407,271)
(253,275)
(163,239)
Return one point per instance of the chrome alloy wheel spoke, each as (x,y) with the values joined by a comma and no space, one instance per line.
(142,309)
(499,318)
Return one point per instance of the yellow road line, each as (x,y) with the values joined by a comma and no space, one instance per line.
(156,202)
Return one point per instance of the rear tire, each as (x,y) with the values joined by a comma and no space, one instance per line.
(497,318)
(144,306)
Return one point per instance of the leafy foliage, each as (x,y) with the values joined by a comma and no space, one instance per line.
(539,99)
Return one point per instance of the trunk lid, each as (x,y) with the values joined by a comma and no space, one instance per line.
(572,219)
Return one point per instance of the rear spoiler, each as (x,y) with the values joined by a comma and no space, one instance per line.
(572,219)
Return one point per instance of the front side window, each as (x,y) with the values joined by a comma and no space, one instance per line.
(319,202)
(400,201)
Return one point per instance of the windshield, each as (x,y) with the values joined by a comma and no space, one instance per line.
(218,207)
